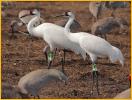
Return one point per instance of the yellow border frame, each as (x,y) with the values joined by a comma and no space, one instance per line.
(68,1)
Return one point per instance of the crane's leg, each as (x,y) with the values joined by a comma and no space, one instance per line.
(97,85)
(64,55)
(62,64)
(55,53)
(92,82)
(12,31)
(94,76)
(46,56)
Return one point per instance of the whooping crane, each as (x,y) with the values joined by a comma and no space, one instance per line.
(54,36)
(75,27)
(94,46)
(26,15)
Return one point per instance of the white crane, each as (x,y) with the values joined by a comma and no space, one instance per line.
(94,46)
(75,27)
(26,15)
(54,36)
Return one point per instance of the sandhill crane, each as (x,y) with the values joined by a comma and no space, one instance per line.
(95,9)
(105,25)
(126,94)
(54,36)
(115,4)
(32,82)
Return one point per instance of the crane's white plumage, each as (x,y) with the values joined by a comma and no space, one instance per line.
(94,46)
(54,36)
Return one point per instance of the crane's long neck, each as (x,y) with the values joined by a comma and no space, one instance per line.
(67,32)
(68,24)
(30,26)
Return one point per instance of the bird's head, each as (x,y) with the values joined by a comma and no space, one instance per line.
(36,12)
(67,14)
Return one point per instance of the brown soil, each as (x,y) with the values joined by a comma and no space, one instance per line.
(113,78)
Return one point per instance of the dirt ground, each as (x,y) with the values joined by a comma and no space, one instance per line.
(16,62)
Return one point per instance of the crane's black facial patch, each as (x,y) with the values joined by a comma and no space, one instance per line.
(32,13)
(66,14)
